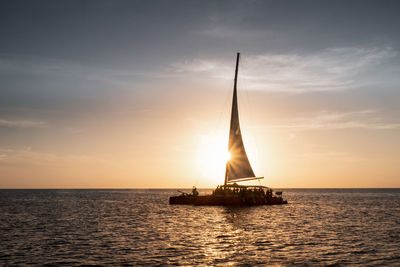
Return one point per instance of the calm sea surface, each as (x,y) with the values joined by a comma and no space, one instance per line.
(132,227)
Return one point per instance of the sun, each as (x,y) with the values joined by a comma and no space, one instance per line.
(212,156)
(227,156)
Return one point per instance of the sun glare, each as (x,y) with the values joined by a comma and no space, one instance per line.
(227,156)
(212,156)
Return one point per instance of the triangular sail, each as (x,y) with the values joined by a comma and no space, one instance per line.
(238,167)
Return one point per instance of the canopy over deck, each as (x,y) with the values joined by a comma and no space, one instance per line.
(235,185)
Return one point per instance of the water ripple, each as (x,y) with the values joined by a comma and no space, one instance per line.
(138,227)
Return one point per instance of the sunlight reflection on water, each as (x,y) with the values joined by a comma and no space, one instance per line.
(317,227)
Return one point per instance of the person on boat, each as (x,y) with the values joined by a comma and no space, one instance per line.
(195,192)
(269,193)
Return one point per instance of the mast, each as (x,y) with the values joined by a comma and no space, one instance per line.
(234,104)
(238,168)
(236,74)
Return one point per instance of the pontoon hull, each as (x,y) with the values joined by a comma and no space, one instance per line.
(226,200)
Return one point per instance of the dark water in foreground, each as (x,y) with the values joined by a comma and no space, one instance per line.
(130,227)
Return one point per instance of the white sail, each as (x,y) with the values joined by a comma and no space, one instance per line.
(238,167)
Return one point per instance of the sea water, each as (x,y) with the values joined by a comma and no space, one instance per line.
(139,227)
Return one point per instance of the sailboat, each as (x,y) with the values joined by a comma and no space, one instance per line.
(238,169)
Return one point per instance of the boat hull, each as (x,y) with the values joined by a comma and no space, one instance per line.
(225,200)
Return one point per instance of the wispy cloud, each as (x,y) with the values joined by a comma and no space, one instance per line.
(326,70)
(22,123)
(50,68)
(28,156)
(225,32)
(12,156)
(330,155)
(324,120)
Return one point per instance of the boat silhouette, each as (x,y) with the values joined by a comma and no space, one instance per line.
(238,169)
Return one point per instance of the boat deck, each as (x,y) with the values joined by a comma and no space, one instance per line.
(232,196)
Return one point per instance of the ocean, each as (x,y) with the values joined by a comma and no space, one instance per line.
(138,227)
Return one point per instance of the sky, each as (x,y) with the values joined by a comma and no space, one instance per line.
(137,94)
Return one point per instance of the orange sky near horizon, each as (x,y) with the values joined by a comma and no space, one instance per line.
(181,143)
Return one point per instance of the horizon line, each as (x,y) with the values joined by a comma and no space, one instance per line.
(184,188)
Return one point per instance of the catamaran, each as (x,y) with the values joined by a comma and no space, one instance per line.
(238,169)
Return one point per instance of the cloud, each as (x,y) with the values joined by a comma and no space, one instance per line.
(22,123)
(13,156)
(50,68)
(324,120)
(330,155)
(224,32)
(330,69)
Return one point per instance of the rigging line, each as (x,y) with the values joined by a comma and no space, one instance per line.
(225,112)
(222,113)
(224,108)
(251,112)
